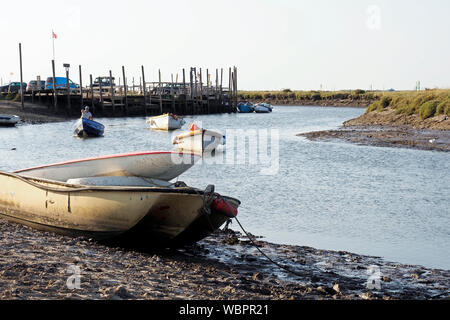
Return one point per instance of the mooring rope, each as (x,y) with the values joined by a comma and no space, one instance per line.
(257,247)
(265,255)
(286,268)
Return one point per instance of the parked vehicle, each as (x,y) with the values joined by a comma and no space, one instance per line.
(13,87)
(105,82)
(60,84)
(34,86)
(177,89)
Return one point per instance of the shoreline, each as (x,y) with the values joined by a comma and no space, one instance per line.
(318,103)
(32,113)
(38,114)
(224,266)
(388,129)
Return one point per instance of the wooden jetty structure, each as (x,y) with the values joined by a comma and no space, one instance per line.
(194,93)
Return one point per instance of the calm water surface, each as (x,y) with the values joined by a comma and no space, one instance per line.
(388,202)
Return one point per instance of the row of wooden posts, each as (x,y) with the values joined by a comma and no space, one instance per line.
(193,92)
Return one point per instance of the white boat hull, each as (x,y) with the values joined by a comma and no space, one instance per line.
(262,109)
(199,141)
(158,165)
(166,122)
(151,216)
(8,120)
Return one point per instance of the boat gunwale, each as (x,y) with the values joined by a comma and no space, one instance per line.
(133,154)
(200,131)
(75,188)
(163,116)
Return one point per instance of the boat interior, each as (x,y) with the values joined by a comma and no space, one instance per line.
(120,181)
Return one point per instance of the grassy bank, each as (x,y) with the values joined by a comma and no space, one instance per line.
(425,104)
(288,96)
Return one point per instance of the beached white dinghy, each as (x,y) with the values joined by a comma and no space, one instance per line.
(199,141)
(166,122)
(147,216)
(156,165)
(8,120)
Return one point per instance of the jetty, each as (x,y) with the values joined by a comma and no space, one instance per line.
(194,92)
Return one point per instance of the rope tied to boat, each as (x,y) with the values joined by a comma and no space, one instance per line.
(285,268)
(208,198)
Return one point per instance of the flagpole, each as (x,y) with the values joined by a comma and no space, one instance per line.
(53,39)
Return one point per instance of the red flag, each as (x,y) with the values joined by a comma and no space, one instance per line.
(54,35)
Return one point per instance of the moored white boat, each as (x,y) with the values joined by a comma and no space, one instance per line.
(166,121)
(199,141)
(8,120)
(157,165)
(149,215)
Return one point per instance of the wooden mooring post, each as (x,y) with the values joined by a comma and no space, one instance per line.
(21,78)
(55,98)
(160,92)
(125,90)
(184,91)
(111,87)
(101,95)
(81,88)
(172,94)
(92,92)
(145,89)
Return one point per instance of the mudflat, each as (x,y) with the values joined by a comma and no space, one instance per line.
(32,113)
(388,129)
(224,266)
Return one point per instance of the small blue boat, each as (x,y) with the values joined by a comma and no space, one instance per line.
(245,107)
(85,127)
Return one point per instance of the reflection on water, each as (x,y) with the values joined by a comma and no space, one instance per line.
(388,202)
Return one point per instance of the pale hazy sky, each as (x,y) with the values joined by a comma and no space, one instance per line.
(275,44)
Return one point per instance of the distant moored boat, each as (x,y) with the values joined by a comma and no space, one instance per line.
(245,107)
(263,108)
(8,120)
(166,121)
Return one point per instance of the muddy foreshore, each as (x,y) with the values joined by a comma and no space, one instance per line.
(224,266)
(319,103)
(387,129)
(32,113)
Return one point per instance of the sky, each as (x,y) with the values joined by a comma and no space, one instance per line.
(275,44)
